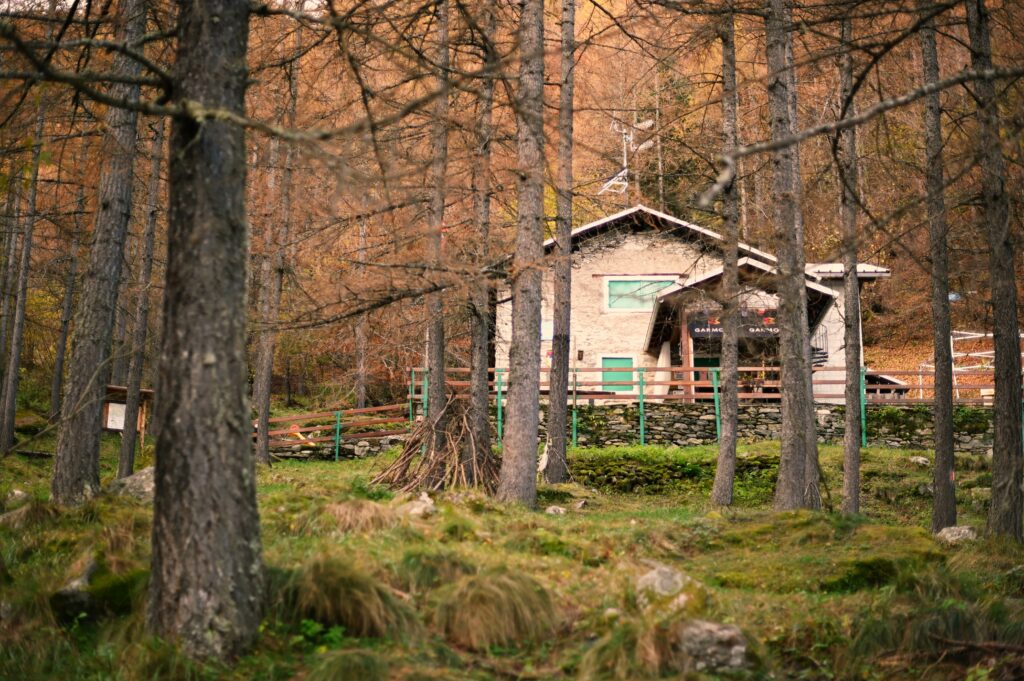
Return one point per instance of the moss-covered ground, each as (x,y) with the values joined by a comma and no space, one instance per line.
(359,591)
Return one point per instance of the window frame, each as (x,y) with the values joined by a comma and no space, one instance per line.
(606,291)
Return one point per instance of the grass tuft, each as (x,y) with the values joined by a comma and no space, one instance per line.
(496,608)
(422,569)
(334,592)
(361,515)
(349,665)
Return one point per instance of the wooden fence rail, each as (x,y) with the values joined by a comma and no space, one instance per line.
(338,425)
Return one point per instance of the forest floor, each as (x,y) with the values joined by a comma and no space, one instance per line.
(357,589)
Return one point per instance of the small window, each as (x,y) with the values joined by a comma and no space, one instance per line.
(635,294)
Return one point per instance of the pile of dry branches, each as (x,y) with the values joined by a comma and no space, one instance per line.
(455,459)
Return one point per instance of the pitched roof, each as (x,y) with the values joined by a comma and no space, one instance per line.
(663,220)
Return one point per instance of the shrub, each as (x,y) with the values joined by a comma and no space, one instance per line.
(496,608)
(333,591)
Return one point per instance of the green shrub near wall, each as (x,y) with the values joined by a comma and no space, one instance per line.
(655,470)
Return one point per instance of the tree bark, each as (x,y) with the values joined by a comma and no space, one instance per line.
(517,481)
(273,285)
(557,469)
(848,174)
(10,391)
(126,461)
(206,586)
(1005,512)
(9,274)
(725,470)
(944,502)
(479,444)
(795,489)
(435,240)
(66,308)
(76,474)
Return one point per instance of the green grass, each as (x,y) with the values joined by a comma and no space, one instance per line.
(822,596)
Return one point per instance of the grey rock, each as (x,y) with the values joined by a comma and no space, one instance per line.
(921,461)
(74,597)
(362,448)
(422,507)
(141,485)
(580,505)
(555,510)
(711,646)
(954,536)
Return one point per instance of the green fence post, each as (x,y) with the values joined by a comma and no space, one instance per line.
(337,434)
(643,416)
(412,395)
(497,387)
(863,409)
(426,395)
(718,404)
(574,417)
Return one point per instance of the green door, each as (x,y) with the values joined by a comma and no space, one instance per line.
(625,363)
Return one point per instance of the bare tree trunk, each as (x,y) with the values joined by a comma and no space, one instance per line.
(361,331)
(126,461)
(557,469)
(435,240)
(799,441)
(13,221)
(848,178)
(206,584)
(944,505)
(273,285)
(1005,513)
(76,474)
(725,470)
(518,478)
(67,307)
(10,391)
(479,445)
(119,350)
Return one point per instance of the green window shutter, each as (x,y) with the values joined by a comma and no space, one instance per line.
(635,294)
(611,376)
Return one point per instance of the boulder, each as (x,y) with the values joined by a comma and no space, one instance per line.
(667,591)
(16,498)
(422,507)
(954,536)
(362,448)
(712,647)
(921,461)
(554,510)
(74,598)
(141,485)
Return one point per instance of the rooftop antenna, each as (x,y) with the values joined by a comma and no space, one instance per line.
(619,183)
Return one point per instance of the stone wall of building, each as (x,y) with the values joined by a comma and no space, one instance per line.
(673,423)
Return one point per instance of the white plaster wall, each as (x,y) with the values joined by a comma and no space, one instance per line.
(599,332)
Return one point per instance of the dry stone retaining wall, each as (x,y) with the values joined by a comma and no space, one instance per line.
(674,423)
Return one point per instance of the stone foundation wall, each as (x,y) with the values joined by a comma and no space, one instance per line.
(674,423)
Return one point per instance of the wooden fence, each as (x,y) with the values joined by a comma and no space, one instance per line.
(331,428)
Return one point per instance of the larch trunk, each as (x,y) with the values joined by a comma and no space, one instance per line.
(272,278)
(795,488)
(518,481)
(435,239)
(137,350)
(557,469)
(480,309)
(944,501)
(725,470)
(848,177)
(206,586)
(66,308)
(11,376)
(76,474)
(1005,511)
